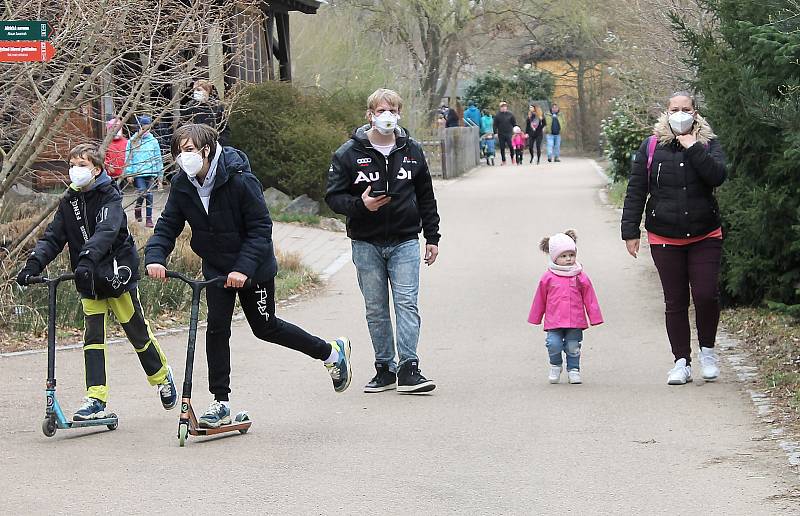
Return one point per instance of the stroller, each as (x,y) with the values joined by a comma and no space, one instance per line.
(487,148)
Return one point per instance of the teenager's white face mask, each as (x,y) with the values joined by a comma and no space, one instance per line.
(681,122)
(190,162)
(386,122)
(81,176)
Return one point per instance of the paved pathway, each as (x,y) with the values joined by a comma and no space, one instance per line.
(494,438)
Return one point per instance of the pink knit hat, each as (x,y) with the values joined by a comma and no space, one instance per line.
(560,243)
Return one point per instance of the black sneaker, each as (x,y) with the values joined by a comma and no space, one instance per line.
(384,379)
(411,381)
(549,160)
(557,160)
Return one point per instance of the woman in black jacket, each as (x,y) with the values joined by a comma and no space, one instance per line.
(206,108)
(674,175)
(534,127)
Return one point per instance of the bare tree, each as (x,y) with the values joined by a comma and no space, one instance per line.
(113,58)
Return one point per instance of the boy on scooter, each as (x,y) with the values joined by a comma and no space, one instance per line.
(221,199)
(103,257)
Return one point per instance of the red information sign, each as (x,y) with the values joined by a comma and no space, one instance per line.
(26,51)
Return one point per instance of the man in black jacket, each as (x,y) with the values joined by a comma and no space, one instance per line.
(380,180)
(221,199)
(103,256)
(504,123)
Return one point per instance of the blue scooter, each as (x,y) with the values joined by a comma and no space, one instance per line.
(54,417)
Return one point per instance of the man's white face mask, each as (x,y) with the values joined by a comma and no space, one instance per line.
(681,122)
(386,122)
(190,162)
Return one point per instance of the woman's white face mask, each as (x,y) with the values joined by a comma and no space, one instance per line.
(190,162)
(81,176)
(681,122)
(200,95)
(386,122)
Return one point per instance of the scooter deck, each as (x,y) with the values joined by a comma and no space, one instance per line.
(233,427)
(92,422)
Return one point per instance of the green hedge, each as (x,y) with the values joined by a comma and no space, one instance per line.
(623,133)
(290,136)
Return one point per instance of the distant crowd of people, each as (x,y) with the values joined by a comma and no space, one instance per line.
(501,129)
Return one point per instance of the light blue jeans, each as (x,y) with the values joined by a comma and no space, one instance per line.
(379,268)
(553,146)
(565,340)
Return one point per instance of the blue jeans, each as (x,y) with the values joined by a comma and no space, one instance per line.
(553,145)
(143,184)
(378,268)
(566,340)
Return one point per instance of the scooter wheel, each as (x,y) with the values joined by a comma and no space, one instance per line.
(49,427)
(183,431)
(241,417)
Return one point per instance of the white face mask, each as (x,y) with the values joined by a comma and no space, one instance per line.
(386,122)
(200,95)
(681,122)
(81,176)
(190,162)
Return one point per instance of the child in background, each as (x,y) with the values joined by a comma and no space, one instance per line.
(518,144)
(90,220)
(115,155)
(564,297)
(487,148)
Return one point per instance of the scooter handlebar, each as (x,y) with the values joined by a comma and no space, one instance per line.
(34,280)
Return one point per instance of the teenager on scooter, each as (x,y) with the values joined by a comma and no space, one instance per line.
(221,199)
(103,257)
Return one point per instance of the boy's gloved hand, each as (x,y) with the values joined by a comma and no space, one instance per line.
(83,276)
(30,270)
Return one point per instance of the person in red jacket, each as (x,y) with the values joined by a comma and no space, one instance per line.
(115,155)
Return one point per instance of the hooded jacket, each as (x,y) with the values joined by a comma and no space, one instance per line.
(548,123)
(99,212)
(143,156)
(678,198)
(235,234)
(487,124)
(473,114)
(357,164)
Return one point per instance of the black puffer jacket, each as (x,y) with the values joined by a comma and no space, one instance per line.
(99,212)
(681,202)
(235,234)
(357,164)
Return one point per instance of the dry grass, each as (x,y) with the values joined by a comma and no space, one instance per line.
(773,342)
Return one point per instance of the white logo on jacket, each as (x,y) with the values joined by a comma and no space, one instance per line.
(403,173)
(364,178)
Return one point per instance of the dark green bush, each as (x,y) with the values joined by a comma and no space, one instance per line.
(747,68)
(623,133)
(289,136)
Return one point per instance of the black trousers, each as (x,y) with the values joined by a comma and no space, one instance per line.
(680,268)
(537,140)
(504,140)
(258,304)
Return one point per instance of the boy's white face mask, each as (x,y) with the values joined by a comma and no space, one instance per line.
(386,122)
(681,122)
(81,176)
(190,162)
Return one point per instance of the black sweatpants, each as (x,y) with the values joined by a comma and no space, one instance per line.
(681,267)
(258,304)
(504,140)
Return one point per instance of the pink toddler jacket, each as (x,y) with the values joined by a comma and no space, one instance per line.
(564,302)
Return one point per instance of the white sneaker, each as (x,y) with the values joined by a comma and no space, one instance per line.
(555,373)
(709,362)
(680,374)
(574,376)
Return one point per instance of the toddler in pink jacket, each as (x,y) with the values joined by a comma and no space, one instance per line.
(564,297)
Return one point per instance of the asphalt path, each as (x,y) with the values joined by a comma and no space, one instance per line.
(493,438)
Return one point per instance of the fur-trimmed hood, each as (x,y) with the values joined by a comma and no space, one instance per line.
(702,130)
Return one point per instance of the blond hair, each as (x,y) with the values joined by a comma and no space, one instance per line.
(391,97)
(205,84)
(90,152)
